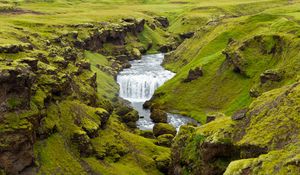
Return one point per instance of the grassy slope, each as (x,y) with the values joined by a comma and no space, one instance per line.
(204,49)
(221,89)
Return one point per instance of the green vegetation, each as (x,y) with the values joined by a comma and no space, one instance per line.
(233,53)
(59,109)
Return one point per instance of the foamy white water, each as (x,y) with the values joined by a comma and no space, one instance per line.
(138,84)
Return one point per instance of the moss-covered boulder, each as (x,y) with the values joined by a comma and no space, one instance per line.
(159,116)
(163,128)
(162,162)
(165,140)
(147,134)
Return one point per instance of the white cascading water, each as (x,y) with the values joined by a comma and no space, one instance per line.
(138,83)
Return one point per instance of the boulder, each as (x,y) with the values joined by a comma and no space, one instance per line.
(165,140)
(163,128)
(270,75)
(131,116)
(158,116)
(194,74)
(163,21)
(135,54)
(147,104)
(186,35)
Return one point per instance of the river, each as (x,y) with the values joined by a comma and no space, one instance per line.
(139,82)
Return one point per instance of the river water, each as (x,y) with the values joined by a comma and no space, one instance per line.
(138,83)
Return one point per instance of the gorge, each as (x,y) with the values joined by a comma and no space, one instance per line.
(149,87)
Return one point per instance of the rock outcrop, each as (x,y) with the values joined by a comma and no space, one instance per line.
(194,74)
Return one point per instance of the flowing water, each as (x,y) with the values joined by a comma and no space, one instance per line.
(138,83)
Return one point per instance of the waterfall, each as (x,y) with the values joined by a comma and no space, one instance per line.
(138,83)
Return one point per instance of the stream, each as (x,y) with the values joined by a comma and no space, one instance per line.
(138,83)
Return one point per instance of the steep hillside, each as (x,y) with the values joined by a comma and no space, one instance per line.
(239,58)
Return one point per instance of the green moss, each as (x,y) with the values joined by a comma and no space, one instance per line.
(106,86)
(39,98)
(286,159)
(55,157)
(270,111)
(222,89)
(14,102)
(219,131)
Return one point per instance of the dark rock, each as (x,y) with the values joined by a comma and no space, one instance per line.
(238,115)
(147,104)
(164,22)
(159,116)
(84,65)
(15,85)
(70,54)
(210,118)
(163,128)
(270,75)
(129,19)
(31,62)
(186,35)
(194,74)
(16,150)
(236,61)
(254,93)
(14,48)
(168,47)
(126,65)
(122,58)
